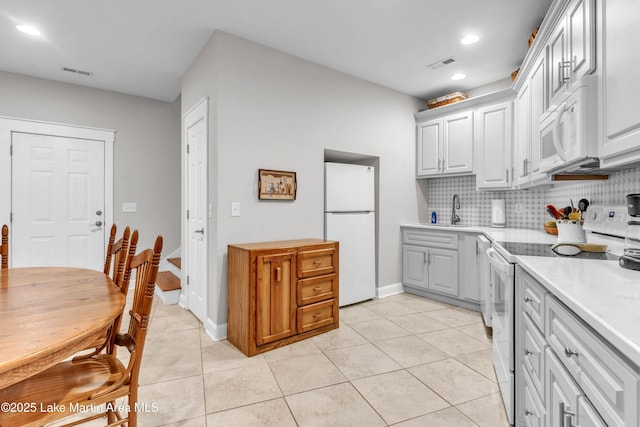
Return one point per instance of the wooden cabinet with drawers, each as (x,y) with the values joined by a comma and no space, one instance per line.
(281,292)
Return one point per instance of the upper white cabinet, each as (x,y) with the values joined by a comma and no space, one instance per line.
(571,48)
(445,145)
(530,106)
(619,82)
(494,139)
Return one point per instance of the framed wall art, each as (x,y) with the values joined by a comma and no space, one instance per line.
(276,185)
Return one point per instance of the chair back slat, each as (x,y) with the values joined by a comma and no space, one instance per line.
(146,265)
(4,247)
(116,257)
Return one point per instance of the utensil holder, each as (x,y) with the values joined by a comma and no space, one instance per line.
(570,231)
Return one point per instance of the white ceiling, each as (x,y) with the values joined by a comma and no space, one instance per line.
(142,47)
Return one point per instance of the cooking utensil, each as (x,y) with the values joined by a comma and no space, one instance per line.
(567,211)
(554,212)
(572,249)
(583,204)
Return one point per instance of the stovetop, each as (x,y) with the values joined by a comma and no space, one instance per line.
(544,250)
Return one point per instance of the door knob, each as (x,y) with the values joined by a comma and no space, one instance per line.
(98,223)
(98,213)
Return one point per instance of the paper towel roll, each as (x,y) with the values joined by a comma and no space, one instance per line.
(497,213)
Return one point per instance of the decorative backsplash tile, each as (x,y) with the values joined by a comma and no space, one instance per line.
(525,208)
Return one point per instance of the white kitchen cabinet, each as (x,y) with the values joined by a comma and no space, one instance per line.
(571,48)
(566,370)
(619,82)
(566,403)
(430,262)
(431,269)
(469,268)
(530,106)
(445,145)
(429,148)
(494,139)
(443,271)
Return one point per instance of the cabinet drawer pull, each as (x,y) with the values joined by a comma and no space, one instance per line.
(568,352)
(317,289)
(316,262)
(315,316)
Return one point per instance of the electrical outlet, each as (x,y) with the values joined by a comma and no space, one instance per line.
(129,207)
(235,208)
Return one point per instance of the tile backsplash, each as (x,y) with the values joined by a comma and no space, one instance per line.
(524,208)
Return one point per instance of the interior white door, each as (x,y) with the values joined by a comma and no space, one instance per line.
(57,201)
(197,211)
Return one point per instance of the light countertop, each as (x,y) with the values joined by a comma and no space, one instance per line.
(605,295)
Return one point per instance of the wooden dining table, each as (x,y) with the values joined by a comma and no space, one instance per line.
(50,313)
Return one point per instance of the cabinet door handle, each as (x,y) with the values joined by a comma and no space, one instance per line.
(527,352)
(527,300)
(278,274)
(568,352)
(528,412)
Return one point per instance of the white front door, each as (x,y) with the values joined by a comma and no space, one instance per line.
(57,201)
(196,229)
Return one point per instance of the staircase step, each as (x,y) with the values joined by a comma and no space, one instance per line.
(176,261)
(167,281)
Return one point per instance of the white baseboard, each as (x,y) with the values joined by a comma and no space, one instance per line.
(387,291)
(216,332)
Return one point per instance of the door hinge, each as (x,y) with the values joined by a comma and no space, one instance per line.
(11,150)
(10,217)
(187,213)
(187,280)
(187,148)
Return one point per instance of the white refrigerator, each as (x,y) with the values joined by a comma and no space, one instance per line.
(349,218)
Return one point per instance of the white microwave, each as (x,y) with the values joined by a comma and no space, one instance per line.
(568,134)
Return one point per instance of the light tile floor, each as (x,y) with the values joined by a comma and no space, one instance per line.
(402,360)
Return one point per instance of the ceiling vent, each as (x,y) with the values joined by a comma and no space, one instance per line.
(441,63)
(73,70)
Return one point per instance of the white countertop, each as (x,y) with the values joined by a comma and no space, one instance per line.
(605,295)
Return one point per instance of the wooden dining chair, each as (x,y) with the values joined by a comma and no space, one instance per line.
(4,247)
(116,255)
(87,382)
(118,252)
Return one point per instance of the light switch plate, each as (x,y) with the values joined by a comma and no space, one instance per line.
(235,208)
(129,207)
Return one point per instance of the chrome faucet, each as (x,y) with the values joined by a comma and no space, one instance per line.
(456,205)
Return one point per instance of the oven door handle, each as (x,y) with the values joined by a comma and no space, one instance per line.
(498,262)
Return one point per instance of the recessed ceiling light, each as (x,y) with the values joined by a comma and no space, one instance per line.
(458,76)
(28,29)
(470,39)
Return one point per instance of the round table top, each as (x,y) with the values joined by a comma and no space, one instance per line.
(50,313)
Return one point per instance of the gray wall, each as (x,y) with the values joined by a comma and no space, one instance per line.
(146,151)
(275,111)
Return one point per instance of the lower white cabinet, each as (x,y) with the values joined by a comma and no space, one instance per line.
(564,369)
(567,404)
(430,261)
(431,268)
